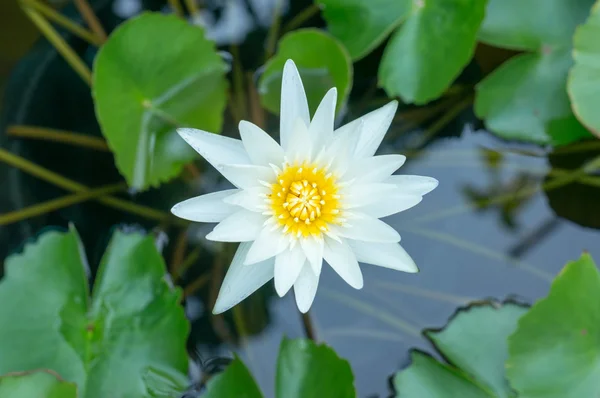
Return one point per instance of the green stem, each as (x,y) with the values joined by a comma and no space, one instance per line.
(301,17)
(70,185)
(239,94)
(192,7)
(188,261)
(55,204)
(65,137)
(307,324)
(63,21)
(274,30)
(176,6)
(60,44)
(88,15)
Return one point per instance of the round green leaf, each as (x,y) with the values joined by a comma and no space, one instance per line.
(156,73)
(426,377)
(430,50)
(322,61)
(308,370)
(39,384)
(584,79)
(131,331)
(532,24)
(554,352)
(475,341)
(523,95)
(236,381)
(361,25)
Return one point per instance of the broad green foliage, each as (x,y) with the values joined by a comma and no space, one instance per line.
(430,49)
(131,332)
(526,96)
(307,370)
(425,55)
(156,73)
(584,80)
(304,370)
(361,25)
(475,343)
(554,352)
(39,384)
(322,61)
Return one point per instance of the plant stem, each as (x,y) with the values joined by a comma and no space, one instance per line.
(238,82)
(257,113)
(55,204)
(91,19)
(176,6)
(65,137)
(180,269)
(309,329)
(446,118)
(60,44)
(192,7)
(63,21)
(301,17)
(70,185)
(197,284)
(274,30)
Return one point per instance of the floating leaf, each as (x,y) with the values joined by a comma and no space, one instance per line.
(322,61)
(156,73)
(430,49)
(522,98)
(554,352)
(235,381)
(474,342)
(308,370)
(584,79)
(361,25)
(132,329)
(39,384)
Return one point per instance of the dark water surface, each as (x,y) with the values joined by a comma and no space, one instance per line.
(508,250)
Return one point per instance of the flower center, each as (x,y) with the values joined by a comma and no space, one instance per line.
(304,200)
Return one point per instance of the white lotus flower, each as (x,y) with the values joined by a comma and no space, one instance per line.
(317,196)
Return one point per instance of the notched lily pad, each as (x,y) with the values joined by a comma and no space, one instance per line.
(156,73)
(38,384)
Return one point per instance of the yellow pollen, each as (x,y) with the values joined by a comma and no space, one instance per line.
(305,200)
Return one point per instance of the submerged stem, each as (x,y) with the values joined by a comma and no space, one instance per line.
(56,204)
(274,30)
(301,17)
(70,185)
(88,15)
(307,324)
(59,43)
(63,21)
(65,137)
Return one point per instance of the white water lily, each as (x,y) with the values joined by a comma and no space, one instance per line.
(316,196)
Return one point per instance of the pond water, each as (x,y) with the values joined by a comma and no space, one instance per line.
(510,249)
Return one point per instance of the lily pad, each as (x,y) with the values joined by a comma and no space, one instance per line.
(308,370)
(376,19)
(435,33)
(322,61)
(130,331)
(524,97)
(554,352)
(156,73)
(39,384)
(234,381)
(584,79)
(475,344)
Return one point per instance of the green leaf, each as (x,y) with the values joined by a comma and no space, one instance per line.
(38,384)
(523,95)
(509,23)
(133,328)
(236,381)
(584,79)
(322,61)
(525,99)
(426,377)
(361,25)
(156,73)
(308,370)
(554,352)
(430,50)
(474,342)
